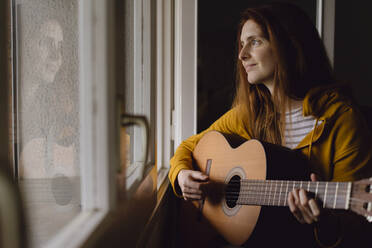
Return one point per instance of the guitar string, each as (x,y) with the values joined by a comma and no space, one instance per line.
(279,181)
(282,197)
(305,183)
(276,195)
(353,201)
(231,189)
(338,199)
(273,191)
(263,191)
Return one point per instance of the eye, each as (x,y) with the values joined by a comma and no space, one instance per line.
(256,42)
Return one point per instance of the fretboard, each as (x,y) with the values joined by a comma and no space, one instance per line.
(335,195)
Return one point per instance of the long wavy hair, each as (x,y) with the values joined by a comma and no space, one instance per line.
(302,65)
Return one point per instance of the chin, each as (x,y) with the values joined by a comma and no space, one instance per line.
(253,81)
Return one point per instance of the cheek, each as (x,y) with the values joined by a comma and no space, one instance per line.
(43,53)
(268,61)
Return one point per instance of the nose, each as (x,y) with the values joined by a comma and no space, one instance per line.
(244,53)
(55,52)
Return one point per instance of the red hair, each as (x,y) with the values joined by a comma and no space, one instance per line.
(302,65)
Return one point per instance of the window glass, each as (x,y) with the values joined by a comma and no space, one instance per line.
(47,114)
(140,89)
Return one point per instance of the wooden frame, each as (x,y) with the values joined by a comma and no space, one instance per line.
(164,83)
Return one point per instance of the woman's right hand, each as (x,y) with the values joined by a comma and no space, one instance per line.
(190,183)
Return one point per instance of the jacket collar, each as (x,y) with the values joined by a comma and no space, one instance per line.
(324,104)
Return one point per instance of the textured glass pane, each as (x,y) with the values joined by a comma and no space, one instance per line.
(47,114)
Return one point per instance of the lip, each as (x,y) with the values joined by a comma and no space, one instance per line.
(249,67)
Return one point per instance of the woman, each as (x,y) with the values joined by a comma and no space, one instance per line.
(286,95)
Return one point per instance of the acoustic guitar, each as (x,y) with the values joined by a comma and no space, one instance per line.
(248,177)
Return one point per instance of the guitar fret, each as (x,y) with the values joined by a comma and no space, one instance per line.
(325,195)
(254,189)
(280,192)
(286,195)
(348,196)
(334,202)
(270,192)
(265,194)
(274,194)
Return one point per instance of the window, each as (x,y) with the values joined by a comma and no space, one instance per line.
(65,149)
(140,88)
(149,85)
(68,90)
(47,114)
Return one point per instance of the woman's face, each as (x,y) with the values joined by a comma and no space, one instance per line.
(48,49)
(256,55)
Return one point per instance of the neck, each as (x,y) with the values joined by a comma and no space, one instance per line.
(294,104)
(335,195)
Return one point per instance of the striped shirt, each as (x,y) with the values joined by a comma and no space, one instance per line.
(297,127)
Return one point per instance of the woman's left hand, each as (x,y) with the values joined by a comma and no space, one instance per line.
(304,208)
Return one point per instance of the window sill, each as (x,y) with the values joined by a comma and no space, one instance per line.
(79,230)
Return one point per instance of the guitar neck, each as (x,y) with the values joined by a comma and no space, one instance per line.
(334,195)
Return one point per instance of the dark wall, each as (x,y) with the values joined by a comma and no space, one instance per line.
(353,47)
(217,53)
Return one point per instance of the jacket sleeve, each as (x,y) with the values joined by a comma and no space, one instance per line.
(352,161)
(229,123)
(353,147)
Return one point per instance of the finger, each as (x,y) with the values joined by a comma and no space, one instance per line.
(191,197)
(305,208)
(192,184)
(303,212)
(192,191)
(292,207)
(314,209)
(199,175)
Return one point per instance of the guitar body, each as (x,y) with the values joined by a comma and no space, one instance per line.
(217,223)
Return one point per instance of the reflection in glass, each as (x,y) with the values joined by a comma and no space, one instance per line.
(48,120)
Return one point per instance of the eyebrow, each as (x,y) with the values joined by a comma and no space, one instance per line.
(251,37)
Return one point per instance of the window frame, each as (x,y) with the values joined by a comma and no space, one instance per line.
(98,109)
(185,84)
(10,206)
(98,131)
(325,23)
(164,83)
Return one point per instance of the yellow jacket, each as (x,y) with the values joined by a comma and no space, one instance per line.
(339,147)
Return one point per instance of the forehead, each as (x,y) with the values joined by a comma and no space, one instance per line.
(250,28)
(52,29)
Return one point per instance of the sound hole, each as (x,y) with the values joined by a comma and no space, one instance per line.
(232,191)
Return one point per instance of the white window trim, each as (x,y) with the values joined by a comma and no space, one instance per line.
(325,23)
(185,92)
(99,147)
(164,83)
(140,72)
(142,58)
